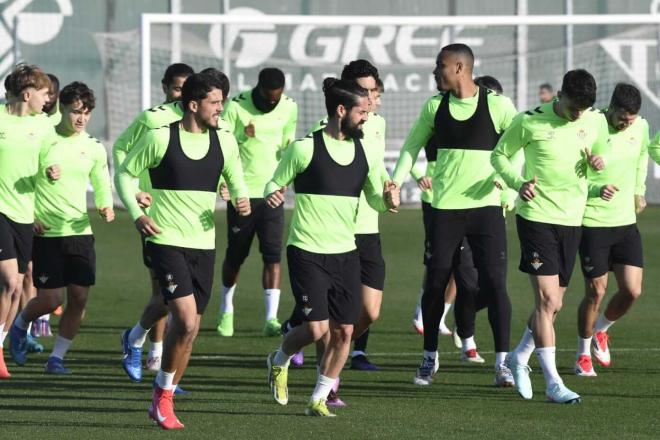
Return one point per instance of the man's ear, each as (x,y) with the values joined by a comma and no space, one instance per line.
(341,110)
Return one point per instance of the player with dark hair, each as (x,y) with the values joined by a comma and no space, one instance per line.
(467,121)
(153,318)
(546,93)
(63,251)
(264,123)
(25,142)
(610,238)
(329,168)
(558,140)
(490,83)
(185,160)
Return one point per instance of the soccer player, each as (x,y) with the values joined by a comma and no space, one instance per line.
(467,121)
(558,139)
(546,94)
(185,161)
(329,169)
(41,325)
(263,121)
(24,141)
(63,252)
(155,312)
(610,238)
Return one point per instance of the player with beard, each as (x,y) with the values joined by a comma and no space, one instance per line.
(329,169)
(185,161)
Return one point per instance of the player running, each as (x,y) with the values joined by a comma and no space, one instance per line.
(329,169)
(63,252)
(263,121)
(467,121)
(558,139)
(610,238)
(185,160)
(24,142)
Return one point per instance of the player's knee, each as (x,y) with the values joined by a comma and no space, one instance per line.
(632,292)
(343,334)
(551,304)
(318,329)
(8,286)
(596,291)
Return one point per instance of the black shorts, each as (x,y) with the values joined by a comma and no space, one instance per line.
(372,265)
(548,249)
(325,286)
(146,259)
(60,261)
(602,247)
(16,242)
(266,222)
(183,271)
(484,229)
(426,219)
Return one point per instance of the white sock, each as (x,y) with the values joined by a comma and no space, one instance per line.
(444,314)
(430,354)
(2,331)
(525,347)
(468,343)
(164,380)
(358,353)
(603,324)
(584,346)
(3,336)
(29,326)
(323,386)
(45,317)
(272,301)
(418,307)
(499,358)
(281,359)
(61,347)
(20,322)
(546,357)
(156,349)
(227,299)
(137,335)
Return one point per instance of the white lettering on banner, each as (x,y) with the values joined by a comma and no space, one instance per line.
(297,48)
(308,83)
(412,83)
(404,46)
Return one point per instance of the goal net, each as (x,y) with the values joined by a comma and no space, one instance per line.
(309,48)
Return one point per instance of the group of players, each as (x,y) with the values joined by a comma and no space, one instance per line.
(581,185)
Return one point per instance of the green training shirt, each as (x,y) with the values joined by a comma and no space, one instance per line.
(462,178)
(325,224)
(273,132)
(374,131)
(554,153)
(627,165)
(184,217)
(24,141)
(61,205)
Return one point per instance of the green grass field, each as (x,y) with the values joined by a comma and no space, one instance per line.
(231,399)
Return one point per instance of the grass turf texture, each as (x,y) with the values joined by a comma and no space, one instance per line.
(227,376)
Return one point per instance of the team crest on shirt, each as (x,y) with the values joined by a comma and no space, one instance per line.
(43,278)
(171,287)
(587,266)
(536,261)
(582,134)
(31,135)
(632,141)
(3,135)
(551,135)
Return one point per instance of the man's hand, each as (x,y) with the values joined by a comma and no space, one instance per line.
(527,190)
(392,195)
(146,226)
(224,192)
(276,198)
(39,228)
(425,183)
(595,162)
(242,206)
(107,213)
(640,204)
(53,172)
(249,130)
(143,199)
(607,192)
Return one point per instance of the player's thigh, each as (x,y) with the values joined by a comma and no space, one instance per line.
(172,272)
(345,297)
(48,263)
(270,232)
(311,281)
(539,248)
(240,233)
(448,227)
(372,264)
(201,263)
(595,251)
(569,238)
(80,260)
(21,242)
(627,250)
